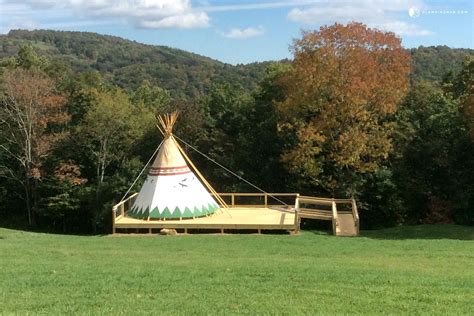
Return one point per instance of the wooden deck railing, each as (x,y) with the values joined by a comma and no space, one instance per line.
(121,208)
(334,217)
(355,212)
(268,199)
(118,210)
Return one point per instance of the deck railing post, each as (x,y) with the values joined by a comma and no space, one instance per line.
(355,213)
(334,218)
(233,199)
(297,214)
(113,219)
(266,200)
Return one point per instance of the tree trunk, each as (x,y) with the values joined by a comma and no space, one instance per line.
(28,199)
(34,202)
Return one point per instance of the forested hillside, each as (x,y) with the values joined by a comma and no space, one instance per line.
(434,62)
(128,63)
(346,117)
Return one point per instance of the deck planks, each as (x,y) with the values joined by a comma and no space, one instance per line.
(229,218)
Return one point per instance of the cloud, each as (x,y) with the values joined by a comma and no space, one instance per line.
(258,6)
(154,14)
(141,13)
(36,4)
(25,24)
(187,21)
(403,28)
(244,33)
(380,14)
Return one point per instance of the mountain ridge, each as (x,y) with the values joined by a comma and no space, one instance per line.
(127,63)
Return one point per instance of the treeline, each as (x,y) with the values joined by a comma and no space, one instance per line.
(185,75)
(344,118)
(436,62)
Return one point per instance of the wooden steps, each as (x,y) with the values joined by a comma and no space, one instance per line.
(345,225)
(345,220)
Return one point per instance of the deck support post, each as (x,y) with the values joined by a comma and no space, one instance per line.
(149,230)
(222,230)
(259,231)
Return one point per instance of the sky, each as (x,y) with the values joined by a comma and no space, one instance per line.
(243,31)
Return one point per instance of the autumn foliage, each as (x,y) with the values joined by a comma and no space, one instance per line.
(32,114)
(341,119)
(345,84)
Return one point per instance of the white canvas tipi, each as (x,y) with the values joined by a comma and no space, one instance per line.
(172,190)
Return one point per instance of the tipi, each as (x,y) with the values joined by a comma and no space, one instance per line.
(172,190)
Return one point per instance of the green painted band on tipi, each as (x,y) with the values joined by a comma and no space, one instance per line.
(197,211)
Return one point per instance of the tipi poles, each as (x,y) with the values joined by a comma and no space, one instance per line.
(167,121)
(207,184)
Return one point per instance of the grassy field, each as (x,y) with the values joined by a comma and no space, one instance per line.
(416,270)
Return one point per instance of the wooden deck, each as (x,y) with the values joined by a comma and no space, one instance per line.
(252,211)
(236,218)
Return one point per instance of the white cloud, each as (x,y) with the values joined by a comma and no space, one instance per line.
(142,13)
(258,6)
(244,33)
(316,15)
(403,28)
(382,14)
(189,20)
(37,4)
(25,24)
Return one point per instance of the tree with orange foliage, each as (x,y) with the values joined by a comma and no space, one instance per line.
(31,115)
(344,86)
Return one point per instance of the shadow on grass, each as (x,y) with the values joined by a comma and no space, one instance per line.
(436,231)
(319,232)
(439,231)
(316,227)
(41,230)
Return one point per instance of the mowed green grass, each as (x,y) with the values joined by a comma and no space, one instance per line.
(415,270)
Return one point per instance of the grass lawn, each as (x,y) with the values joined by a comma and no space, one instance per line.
(416,270)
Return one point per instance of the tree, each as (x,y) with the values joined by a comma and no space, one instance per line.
(341,93)
(152,97)
(224,116)
(110,127)
(107,135)
(61,196)
(463,88)
(261,147)
(81,91)
(433,165)
(31,114)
